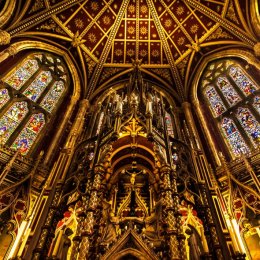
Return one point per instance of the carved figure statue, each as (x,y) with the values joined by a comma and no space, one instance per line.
(160,153)
(149,104)
(105,153)
(108,232)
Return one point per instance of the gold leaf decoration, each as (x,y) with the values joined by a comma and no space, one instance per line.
(50,25)
(163,73)
(231,14)
(182,66)
(38,4)
(108,72)
(219,33)
(90,62)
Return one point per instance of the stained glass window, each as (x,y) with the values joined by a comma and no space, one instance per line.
(11,119)
(28,135)
(233,136)
(257,103)
(168,122)
(249,123)
(4,97)
(33,78)
(21,75)
(228,91)
(53,96)
(215,101)
(242,81)
(35,89)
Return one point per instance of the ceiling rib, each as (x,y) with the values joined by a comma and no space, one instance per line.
(174,70)
(38,18)
(223,22)
(107,48)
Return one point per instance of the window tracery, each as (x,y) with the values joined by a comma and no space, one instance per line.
(215,101)
(249,123)
(233,136)
(37,87)
(242,81)
(22,74)
(233,100)
(29,134)
(168,121)
(257,103)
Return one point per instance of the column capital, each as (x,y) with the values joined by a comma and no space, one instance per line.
(84,103)
(5,37)
(165,168)
(99,169)
(186,104)
(257,49)
(11,50)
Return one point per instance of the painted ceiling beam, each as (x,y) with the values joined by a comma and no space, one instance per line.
(41,16)
(229,26)
(103,57)
(174,70)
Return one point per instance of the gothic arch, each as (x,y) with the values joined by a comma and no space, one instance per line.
(37,45)
(128,252)
(243,55)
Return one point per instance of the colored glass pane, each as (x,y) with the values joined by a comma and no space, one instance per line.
(215,101)
(168,122)
(249,123)
(21,75)
(228,91)
(4,97)
(257,103)
(35,89)
(52,97)
(11,119)
(242,81)
(28,135)
(233,136)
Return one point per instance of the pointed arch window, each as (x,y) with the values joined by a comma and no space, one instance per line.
(249,123)
(11,119)
(168,121)
(235,140)
(21,75)
(216,104)
(257,104)
(33,90)
(242,80)
(228,91)
(234,101)
(29,134)
(4,97)
(53,95)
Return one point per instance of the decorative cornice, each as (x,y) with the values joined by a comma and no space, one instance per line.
(223,22)
(41,16)
(174,70)
(107,48)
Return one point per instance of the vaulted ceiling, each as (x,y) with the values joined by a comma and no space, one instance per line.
(169,36)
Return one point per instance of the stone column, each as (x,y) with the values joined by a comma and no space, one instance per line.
(191,124)
(10,51)
(170,202)
(96,197)
(61,128)
(209,222)
(205,129)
